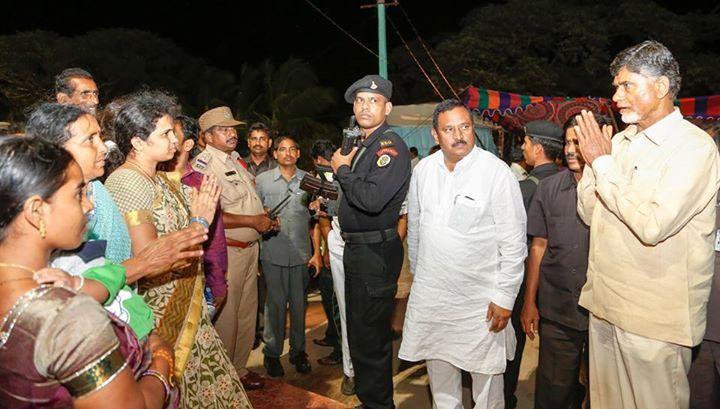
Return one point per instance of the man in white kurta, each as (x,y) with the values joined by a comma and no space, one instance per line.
(466,240)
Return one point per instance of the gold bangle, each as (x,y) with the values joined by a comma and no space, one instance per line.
(161,353)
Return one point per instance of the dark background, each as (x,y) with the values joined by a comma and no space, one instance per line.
(281,62)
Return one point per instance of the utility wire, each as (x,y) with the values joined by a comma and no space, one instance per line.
(342,29)
(437,67)
(407,47)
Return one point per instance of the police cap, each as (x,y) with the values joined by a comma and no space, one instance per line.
(545,130)
(369,83)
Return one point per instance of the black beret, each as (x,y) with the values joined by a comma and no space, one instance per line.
(369,83)
(546,130)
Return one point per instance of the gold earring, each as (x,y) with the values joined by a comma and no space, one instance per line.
(42,229)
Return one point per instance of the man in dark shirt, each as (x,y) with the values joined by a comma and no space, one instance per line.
(258,161)
(259,143)
(542,145)
(556,269)
(374,180)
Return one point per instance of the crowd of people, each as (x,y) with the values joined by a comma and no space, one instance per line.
(142,258)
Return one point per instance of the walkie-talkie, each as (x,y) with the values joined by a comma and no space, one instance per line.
(351,134)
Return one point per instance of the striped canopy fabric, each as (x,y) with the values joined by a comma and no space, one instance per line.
(496,104)
(515,110)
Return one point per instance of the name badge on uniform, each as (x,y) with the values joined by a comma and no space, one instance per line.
(230,173)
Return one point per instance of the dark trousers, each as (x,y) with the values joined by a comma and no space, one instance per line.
(512,370)
(562,351)
(371,273)
(261,293)
(286,290)
(704,376)
(332,312)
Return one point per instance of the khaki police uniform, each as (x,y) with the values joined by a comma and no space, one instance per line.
(236,320)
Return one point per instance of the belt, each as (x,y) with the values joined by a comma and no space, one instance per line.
(240,244)
(369,237)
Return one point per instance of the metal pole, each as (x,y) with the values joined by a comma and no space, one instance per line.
(382,40)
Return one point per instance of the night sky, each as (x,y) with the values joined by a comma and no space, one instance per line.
(228,33)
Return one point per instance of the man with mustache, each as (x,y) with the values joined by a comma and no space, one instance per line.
(259,142)
(245,220)
(258,161)
(554,279)
(649,196)
(467,244)
(374,178)
(286,257)
(542,145)
(75,86)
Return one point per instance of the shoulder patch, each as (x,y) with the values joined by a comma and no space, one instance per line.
(383,160)
(201,163)
(387,151)
(386,142)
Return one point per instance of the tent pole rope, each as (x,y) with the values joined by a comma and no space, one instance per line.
(437,66)
(342,29)
(407,47)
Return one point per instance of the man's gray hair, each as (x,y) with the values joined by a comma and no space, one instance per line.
(649,58)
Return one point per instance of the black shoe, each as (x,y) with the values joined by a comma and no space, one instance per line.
(332,359)
(301,363)
(322,342)
(273,367)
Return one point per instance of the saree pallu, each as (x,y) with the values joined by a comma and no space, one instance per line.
(203,371)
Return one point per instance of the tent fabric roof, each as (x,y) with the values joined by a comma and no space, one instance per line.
(421,115)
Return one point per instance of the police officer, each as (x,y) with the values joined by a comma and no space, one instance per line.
(245,221)
(374,178)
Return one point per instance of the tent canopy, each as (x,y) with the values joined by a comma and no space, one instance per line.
(414,122)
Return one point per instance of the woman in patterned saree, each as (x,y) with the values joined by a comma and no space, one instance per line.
(48,357)
(78,132)
(155,204)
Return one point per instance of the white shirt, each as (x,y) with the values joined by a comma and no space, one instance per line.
(467,245)
(519,172)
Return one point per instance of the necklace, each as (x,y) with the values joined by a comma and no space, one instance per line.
(141,170)
(19,267)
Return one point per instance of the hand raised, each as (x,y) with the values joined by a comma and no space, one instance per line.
(203,203)
(594,142)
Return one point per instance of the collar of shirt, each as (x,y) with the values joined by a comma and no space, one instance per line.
(462,163)
(220,155)
(264,162)
(545,167)
(657,132)
(375,135)
(276,174)
(568,181)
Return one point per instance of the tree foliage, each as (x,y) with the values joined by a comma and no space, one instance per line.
(287,96)
(550,47)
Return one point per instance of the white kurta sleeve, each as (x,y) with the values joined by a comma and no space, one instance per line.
(510,222)
(413,222)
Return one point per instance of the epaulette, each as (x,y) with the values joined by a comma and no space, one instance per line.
(202,162)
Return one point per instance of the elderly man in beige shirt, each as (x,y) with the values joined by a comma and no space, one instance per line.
(649,198)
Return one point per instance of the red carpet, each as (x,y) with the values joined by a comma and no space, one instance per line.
(277,395)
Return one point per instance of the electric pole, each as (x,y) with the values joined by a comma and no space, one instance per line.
(382,35)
